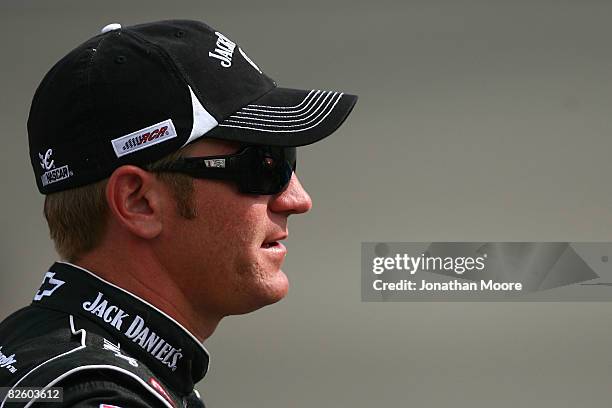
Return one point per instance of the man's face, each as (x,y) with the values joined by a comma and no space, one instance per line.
(227,260)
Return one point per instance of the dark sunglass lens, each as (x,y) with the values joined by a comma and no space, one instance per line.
(274,179)
(291,156)
(271,170)
(268,163)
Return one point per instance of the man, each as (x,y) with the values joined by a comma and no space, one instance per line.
(168,161)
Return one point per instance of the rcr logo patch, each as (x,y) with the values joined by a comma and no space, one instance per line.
(52,174)
(143,138)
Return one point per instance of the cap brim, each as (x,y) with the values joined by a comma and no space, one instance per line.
(287,117)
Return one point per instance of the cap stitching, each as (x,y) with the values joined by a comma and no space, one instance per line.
(94,160)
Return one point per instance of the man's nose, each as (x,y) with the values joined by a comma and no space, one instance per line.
(293,200)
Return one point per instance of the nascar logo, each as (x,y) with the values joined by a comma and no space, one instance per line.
(55,175)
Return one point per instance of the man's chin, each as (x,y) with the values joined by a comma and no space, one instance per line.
(275,289)
(272,291)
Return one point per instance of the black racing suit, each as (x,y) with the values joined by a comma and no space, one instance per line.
(102,345)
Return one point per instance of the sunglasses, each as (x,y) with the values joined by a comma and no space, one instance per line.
(255,169)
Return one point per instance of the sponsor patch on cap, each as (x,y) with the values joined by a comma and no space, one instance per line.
(143,138)
(53,174)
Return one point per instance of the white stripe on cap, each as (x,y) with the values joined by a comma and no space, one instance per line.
(202,120)
(323,104)
(288,123)
(282,107)
(312,104)
(250,126)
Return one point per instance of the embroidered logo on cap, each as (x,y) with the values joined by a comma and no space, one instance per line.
(52,174)
(143,138)
(45,161)
(224,50)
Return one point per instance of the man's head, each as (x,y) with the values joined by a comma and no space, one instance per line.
(221,245)
(114,129)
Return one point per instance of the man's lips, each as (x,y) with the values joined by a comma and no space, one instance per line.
(274,242)
(269,244)
(275,247)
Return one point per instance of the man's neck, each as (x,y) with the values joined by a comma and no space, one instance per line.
(147,279)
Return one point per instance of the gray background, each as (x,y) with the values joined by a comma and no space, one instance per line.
(478,120)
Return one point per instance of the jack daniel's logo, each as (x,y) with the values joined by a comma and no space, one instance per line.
(137,330)
(224,50)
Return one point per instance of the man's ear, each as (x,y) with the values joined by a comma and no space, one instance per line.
(134,198)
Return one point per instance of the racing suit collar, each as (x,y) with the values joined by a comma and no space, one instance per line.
(143,331)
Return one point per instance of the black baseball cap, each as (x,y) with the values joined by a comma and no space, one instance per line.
(132,95)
